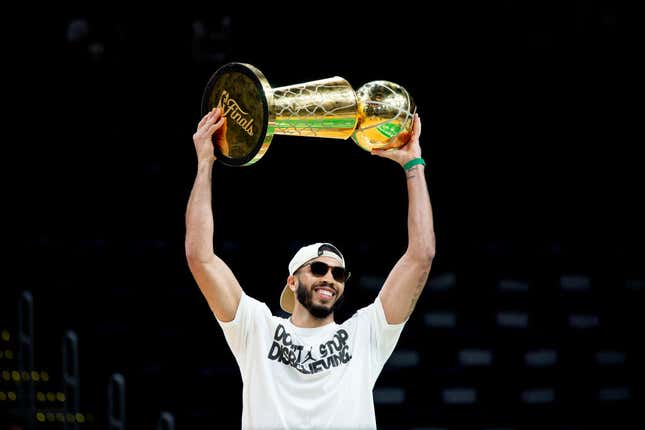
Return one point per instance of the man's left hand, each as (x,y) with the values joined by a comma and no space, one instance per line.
(405,145)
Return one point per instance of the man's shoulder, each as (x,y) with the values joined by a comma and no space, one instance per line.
(361,313)
(260,306)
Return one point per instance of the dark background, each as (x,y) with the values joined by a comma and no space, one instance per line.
(532,176)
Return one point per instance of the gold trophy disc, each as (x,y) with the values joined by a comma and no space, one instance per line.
(245,97)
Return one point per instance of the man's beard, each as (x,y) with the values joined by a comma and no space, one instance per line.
(317,311)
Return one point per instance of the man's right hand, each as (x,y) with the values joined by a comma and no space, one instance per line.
(203,137)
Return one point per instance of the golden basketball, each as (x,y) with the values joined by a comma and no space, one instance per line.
(385,109)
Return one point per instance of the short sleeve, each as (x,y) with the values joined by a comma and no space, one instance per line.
(236,332)
(383,336)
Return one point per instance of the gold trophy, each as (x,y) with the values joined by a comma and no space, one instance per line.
(372,116)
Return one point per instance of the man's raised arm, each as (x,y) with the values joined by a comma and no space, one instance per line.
(405,282)
(215,279)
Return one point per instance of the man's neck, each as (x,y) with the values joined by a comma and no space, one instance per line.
(302,318)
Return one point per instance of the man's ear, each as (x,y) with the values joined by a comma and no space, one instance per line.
(292,282)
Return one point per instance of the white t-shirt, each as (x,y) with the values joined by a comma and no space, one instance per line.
(309,378)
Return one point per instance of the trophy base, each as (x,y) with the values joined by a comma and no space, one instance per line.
(245,97)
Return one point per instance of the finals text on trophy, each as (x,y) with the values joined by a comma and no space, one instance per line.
(372,116)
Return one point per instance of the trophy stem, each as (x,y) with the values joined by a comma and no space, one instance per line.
(325,108)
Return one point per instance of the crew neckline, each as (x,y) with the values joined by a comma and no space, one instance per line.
(311,330)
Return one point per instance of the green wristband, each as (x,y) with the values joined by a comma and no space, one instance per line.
(407,166)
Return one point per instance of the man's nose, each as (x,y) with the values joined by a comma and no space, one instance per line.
(328,276)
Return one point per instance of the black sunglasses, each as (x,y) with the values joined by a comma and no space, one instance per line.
(320,269)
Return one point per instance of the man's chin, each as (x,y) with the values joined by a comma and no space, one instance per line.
(320,311)
(324,304)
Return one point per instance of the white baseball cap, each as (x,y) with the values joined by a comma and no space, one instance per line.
(303,255)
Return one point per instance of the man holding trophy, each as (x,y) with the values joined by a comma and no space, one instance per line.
(308,371)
